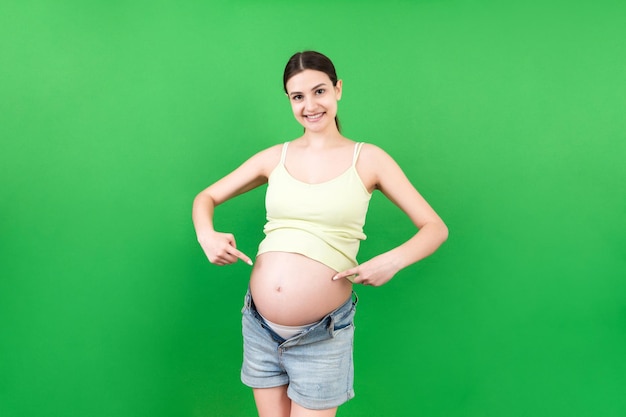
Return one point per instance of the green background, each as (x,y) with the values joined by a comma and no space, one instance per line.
(509,118)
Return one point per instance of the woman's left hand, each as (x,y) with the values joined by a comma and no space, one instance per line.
(376,272)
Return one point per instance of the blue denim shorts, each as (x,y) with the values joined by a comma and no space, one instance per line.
(316,364)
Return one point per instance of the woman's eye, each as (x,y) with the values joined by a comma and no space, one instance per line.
(297,97)
(320,91)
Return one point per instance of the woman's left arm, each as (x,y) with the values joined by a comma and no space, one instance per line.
(387,176)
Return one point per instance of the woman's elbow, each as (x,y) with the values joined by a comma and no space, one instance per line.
(444,232)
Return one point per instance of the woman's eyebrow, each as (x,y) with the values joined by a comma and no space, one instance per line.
(312,89)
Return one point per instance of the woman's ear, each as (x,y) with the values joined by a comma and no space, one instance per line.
(338,89)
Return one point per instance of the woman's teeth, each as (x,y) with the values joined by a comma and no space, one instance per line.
(314,116)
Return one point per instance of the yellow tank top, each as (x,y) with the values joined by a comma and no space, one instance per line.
(321,221)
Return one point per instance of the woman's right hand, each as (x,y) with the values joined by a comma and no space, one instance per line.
(221,249)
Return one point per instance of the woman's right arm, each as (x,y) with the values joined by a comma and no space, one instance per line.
(221,248)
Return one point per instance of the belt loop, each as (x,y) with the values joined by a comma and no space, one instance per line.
(356,298)
(331,326)
(248,300)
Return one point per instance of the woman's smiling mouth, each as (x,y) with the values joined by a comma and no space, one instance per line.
(314,117)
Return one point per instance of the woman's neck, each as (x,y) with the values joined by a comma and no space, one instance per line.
(322,139)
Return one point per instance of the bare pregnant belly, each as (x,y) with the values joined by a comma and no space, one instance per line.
(292,290)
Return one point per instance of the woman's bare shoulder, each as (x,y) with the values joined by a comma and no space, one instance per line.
(267,159)
(376,166)
(373,155)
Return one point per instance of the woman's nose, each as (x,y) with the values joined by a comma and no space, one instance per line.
(310,103)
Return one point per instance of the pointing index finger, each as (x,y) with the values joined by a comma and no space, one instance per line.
(344,274)
(242,256)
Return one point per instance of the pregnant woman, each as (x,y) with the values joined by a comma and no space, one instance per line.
(299,309)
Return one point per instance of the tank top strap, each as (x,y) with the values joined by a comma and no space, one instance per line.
(357,150)
(283,155)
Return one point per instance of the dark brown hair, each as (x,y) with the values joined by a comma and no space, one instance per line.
(312,60)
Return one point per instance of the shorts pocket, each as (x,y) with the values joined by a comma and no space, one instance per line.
(344,321)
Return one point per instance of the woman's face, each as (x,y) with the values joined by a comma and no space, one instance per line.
(314,99)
